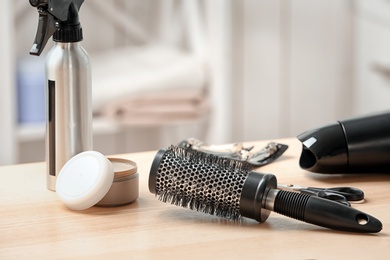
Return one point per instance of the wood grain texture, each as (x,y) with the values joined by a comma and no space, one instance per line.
(35,224)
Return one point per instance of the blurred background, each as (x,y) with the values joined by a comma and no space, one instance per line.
(221,71)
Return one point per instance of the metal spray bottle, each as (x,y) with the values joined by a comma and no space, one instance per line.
(68,83)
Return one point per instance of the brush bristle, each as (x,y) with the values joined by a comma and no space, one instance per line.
(201,182)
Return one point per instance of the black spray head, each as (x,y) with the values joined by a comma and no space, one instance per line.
(54,15)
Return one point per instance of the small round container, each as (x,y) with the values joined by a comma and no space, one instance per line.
(124,188)
(90,178)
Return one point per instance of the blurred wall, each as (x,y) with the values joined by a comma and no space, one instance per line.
(293,64)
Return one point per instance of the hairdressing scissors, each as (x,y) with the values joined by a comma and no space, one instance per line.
(339,194)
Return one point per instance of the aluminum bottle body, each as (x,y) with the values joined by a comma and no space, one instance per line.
(69,108)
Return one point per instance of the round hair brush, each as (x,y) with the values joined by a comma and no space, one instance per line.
(227,188)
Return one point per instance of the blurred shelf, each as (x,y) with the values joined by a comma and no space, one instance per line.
(30,132)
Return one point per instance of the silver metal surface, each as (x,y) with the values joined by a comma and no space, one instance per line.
(237,151)
(270,199)
(204,184)
(69,109)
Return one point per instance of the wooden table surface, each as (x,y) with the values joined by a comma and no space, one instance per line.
(34,224)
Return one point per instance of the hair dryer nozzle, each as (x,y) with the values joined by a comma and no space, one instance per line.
(359,145)
(324,149)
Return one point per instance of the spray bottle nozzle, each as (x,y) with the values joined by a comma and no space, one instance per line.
(52,13)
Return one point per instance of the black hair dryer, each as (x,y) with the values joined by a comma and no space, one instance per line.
(357,145)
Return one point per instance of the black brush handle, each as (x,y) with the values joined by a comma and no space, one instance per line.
(322,212)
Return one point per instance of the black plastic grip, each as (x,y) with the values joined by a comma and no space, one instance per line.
(325,213)
(291,204)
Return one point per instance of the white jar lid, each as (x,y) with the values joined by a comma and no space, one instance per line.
(84,180)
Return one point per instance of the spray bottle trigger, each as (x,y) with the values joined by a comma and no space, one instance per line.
(46,28)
